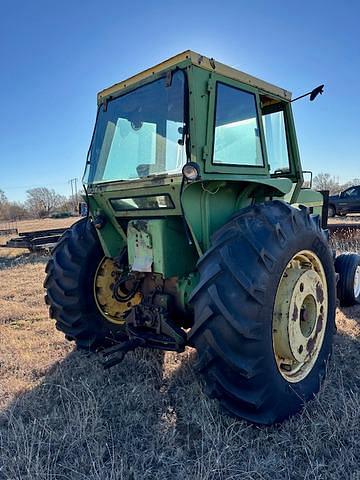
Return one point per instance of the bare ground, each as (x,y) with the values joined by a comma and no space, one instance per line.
(63,417)
(353,217)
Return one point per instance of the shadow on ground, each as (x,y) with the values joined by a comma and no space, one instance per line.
(10,261)
(148,418)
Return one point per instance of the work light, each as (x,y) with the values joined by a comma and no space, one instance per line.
(191,171)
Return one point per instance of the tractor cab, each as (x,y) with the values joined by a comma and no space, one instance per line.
(167,138)
(192,108)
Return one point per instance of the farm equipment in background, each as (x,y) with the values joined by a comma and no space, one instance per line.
(199,233)
(35,241)
(4,232)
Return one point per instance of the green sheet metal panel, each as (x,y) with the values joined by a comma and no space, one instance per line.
(163,241)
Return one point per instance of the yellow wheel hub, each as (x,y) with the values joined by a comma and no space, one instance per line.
(300,316)
(104,280)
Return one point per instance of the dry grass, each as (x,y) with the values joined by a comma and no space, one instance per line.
(348,241)
(64,417)
(39,224)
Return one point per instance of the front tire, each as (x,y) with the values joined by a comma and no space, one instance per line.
(234,308)
(69,287)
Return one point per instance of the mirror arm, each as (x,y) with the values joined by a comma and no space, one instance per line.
(313,94)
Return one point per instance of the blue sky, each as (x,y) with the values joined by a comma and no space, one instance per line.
(56,55)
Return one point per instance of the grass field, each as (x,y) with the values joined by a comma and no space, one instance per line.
(39,224)
(63,417)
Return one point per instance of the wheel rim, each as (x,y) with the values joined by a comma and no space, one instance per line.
(109,307)
(357,282)
(300,316)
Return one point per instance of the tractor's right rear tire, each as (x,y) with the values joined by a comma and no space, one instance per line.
(248,278)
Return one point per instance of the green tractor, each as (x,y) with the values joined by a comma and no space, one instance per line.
(199,233)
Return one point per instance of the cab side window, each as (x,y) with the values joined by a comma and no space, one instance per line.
(273,119)
(236,136)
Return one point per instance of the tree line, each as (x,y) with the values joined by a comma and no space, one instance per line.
(40,202)
(325,181)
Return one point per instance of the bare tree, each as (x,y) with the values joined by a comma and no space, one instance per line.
(350,183)
(43,201)
(11,210)
(3,204)
(3,198)
(16,211)
(325,181)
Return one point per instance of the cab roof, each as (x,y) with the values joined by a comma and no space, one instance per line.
(199,61)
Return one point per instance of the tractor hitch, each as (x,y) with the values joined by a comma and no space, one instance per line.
(118,352)
(147,325)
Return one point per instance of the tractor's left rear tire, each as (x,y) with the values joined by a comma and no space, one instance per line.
(264,311)
(70,294)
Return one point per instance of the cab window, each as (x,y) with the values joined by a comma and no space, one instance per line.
(236,136)
(275,138)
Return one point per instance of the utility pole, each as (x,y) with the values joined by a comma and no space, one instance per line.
(76,193)
(72,193)
(73,185)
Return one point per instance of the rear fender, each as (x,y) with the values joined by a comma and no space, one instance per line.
(310,198)
(210,204)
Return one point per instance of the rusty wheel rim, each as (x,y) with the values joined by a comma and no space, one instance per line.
(300,316)
(110,308)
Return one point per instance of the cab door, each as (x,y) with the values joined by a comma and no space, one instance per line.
(234,141)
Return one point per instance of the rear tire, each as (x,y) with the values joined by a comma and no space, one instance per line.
(70,289)
(234,302)
(347,265)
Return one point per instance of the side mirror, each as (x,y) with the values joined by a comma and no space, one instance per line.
(314,93)
(307,182)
